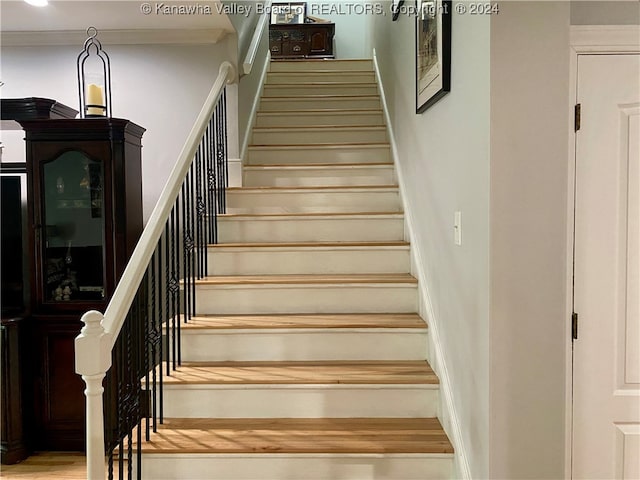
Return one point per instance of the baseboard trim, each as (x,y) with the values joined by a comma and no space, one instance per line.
(437,359)
(254,110)
(235,172)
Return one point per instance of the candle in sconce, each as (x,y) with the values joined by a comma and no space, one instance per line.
(95,97)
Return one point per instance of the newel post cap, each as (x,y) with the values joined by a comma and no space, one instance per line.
(92,346)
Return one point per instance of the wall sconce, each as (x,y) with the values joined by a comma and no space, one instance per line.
(94,78)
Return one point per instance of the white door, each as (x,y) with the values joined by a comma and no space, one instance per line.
(606,368)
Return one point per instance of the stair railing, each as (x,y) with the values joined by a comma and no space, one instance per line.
(136,341)
(255,40)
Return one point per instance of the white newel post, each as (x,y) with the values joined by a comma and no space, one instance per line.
(93,359)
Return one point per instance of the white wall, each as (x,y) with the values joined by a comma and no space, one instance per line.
(443,161)
(351,21)
(244,17)
(161,88)
(494,148)
(605,12)
(530,115)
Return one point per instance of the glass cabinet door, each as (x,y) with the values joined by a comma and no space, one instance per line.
(73,229)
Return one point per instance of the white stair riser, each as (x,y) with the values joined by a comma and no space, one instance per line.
(319,136)
(319,89)
(278,78)
(317,119)
(312,201)
(306,176)
(236,230)
(298,467)
(317,103)
(303,345)
(319,260)
(337,154)
(306,298)
(322,66)
(300,401)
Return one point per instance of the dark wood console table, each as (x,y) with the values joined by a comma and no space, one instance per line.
(305,40)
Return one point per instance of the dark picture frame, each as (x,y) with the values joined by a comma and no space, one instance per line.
(288,13)
(395,9)
(433,52)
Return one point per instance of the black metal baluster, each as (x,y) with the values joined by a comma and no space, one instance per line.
(154,340)
(197,212)
(121,399)
(110,464)
(129,393)
(192,228)
(134,385)
(219,158)
(172,284)
(211,179)
(167,291)
(202,208)
(223,156)
(186,245)
(161,342)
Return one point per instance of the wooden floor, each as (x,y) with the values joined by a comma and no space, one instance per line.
(47,466)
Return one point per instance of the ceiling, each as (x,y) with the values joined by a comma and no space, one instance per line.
(118,21)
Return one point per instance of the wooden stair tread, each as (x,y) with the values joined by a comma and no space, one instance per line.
(293,146)
(299,128)
(325,146)
(215,246)
(307,188)
(320,111)
(403,278)
(321,84)
(301,321)
(303,373)
(309,214)
(341,111)
(295,435)
(321,96)
(266,166)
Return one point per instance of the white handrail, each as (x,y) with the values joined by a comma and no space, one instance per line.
(255,41)
(96,340)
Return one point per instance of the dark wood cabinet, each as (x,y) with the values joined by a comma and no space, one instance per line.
(305,40)
(85,218)
(17,342)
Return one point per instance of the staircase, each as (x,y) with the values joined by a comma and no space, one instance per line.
(306,359)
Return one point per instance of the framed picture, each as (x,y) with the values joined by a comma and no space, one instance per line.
(395,8)
(288,13)
(433,52)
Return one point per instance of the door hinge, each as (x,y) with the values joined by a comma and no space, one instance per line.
(574,325)
(576,117)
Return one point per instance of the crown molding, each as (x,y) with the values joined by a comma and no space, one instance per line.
(604,37)
(115,37)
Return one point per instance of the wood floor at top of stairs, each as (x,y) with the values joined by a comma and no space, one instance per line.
(287,321)
(300,435)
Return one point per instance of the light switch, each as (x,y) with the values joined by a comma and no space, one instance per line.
(457,228)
